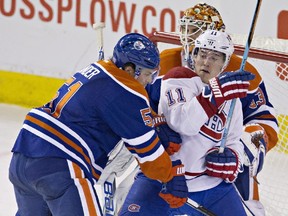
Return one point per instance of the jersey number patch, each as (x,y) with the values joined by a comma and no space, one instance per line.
(180,96)
(71,89)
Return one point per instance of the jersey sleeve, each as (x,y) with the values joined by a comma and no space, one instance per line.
(128,114)
(131,119)
(256,106)
(258,109)
(178,101)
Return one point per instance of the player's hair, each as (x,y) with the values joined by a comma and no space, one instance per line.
(202,16)
(217,41)
(136,49)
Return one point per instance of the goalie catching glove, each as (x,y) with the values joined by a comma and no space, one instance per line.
(227,86)
(169,138)
(255,140)
(175,191)
(224,165)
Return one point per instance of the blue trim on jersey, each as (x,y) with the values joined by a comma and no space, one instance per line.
(259,116)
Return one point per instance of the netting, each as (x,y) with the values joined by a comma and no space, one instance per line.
(270,57)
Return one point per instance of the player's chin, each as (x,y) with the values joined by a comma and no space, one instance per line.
(205,77)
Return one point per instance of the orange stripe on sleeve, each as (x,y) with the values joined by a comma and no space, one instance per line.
(146,149)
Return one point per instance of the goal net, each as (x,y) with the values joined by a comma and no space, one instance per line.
(270,57)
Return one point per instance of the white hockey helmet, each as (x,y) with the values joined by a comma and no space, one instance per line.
(217,41)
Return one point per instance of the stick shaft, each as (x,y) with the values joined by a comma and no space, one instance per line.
(244,59)
(99,27)
(199,208)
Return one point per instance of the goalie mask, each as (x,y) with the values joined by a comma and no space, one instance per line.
(216,41)
(196,20)
(140,51)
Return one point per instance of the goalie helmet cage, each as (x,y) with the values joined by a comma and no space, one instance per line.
(270,57)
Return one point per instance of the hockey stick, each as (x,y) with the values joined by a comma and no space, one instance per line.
(99,30)
(199,208)
(244,59)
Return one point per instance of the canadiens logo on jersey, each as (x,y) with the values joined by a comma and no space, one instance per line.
(134,208)
(214,127)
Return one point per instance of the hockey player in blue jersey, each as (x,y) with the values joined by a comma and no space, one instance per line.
(195,103)
(63,146)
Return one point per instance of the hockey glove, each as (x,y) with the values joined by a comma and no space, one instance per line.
(224,165)
(169,138)
(256,152)
(227,86)
(175,191)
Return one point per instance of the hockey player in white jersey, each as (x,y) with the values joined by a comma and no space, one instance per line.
(195,104)
(259,118)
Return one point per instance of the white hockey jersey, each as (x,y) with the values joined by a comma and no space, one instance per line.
(199,133)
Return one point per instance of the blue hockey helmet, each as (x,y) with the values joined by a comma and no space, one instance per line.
(137,49)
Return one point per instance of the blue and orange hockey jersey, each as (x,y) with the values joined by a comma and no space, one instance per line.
(93,110)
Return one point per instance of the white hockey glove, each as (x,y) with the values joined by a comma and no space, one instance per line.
(255,140)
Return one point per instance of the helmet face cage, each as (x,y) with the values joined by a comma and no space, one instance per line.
(137,49)
(201,16)
(217,41)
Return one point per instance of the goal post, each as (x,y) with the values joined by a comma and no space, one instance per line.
(270,57)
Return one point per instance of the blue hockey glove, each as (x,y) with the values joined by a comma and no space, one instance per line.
(227,86)
(169,138)
(224,165)
(175,191)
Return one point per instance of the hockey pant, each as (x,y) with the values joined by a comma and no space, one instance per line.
(51,186)
(143,200)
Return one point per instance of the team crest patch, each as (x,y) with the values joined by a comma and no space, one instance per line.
(134,208)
